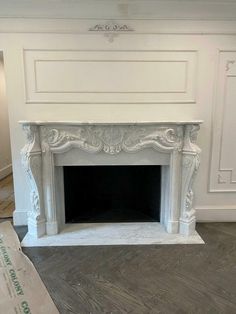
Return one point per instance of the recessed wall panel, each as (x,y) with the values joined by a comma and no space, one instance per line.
(110,76)
(223,159)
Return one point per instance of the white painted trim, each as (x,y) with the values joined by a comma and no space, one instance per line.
(216,214)
(204,214)
(218,181)
(5,171)
(20,217)
(90,94)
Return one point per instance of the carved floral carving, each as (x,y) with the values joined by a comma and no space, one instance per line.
(113,139)
(111,29)
(229,64)
(31,160)
(191,163)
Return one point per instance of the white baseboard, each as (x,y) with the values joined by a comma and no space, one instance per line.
(204,214)
(20,217)
(216,214)
(5,171)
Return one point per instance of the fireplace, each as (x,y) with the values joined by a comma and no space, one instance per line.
(167,149)
(112,193)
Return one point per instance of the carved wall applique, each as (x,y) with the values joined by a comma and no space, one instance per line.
(229,64)
(111,29)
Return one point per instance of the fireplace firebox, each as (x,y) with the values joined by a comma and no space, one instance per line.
(112,193)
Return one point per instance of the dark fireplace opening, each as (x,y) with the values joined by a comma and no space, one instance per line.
(112,193)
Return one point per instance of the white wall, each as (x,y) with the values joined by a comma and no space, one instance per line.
(50,70)
(5,150)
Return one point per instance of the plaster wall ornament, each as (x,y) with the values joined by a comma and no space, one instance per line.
(229,64)
(111,29)
(49,139)
(221,179)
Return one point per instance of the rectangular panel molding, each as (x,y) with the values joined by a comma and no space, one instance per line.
(223,157)
(66,76)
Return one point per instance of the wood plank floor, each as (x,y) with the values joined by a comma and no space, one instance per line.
(7,204)
(143,279)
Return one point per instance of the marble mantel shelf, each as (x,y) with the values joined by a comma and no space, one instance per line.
(112,142)
(74,123)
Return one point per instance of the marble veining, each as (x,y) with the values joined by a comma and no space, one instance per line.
(112,234)
(92,122)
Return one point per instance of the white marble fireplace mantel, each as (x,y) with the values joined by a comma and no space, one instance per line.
(53,144)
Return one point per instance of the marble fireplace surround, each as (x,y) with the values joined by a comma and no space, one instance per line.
(52,145)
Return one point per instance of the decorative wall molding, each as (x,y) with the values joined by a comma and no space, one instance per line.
(229,64)
(45,140)
(223,153)
(118,72)
(150,27)
(111,29)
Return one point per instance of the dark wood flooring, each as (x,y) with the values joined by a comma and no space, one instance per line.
(143,279)
(7,203)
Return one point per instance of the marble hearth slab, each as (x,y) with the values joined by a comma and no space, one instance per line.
(112,234)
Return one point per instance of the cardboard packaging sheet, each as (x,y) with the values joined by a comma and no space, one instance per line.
(21,288)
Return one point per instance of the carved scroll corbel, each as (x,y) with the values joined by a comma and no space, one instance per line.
(190,162)
(32,163)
